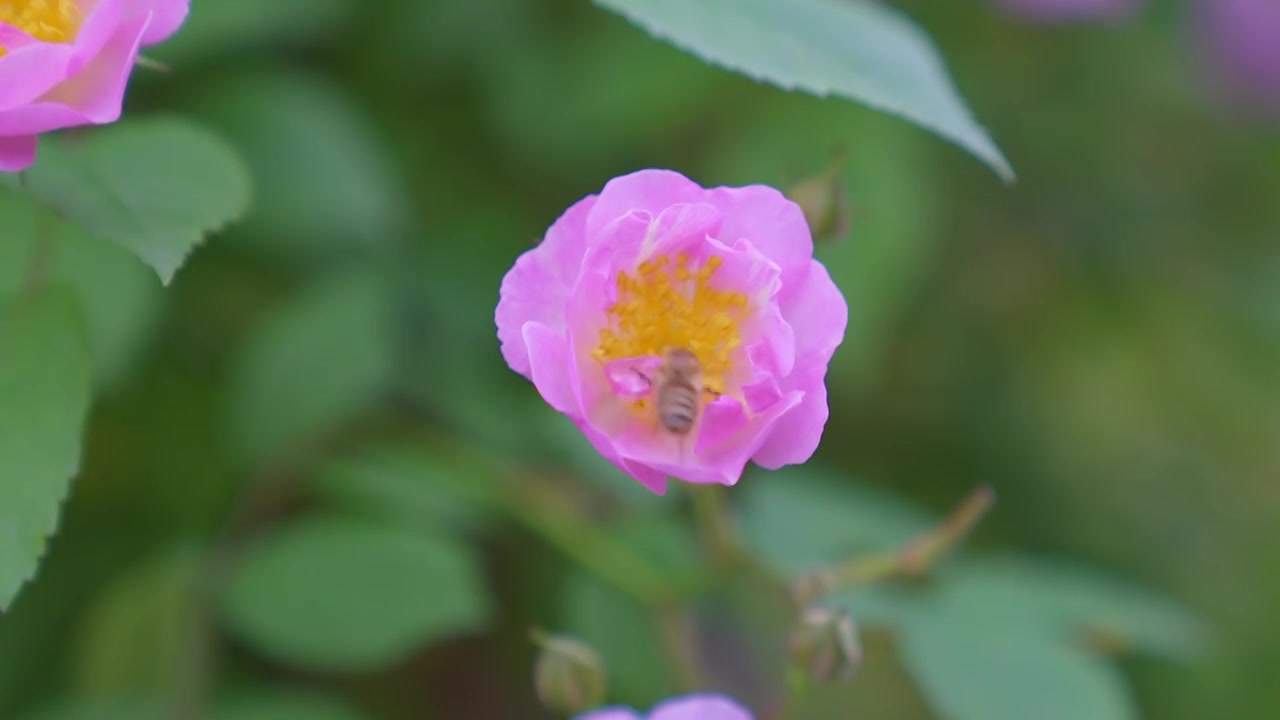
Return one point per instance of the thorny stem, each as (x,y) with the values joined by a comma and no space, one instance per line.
(915,558)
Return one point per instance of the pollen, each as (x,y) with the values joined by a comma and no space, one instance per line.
(48,20)
(671,303)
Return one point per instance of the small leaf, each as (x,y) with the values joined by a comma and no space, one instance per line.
(974,662)
(336,594)
(156,186)
(44,398)
(134,635)
(859,50)
(313,362)
(403,484)
(119,296)
(314,150)
(284,705)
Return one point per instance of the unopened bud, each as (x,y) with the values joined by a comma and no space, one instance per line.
(823,200)
(825,645)
(567,675)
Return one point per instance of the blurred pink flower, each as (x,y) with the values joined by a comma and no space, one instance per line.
(1242,43)
(66,62)
(1061,11)
(655,262)
(690,707)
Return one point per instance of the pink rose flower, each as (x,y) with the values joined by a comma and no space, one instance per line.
(655,264)
(690,707)
(65,63)
(1241,43)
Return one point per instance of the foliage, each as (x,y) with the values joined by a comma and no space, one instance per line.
(289,476)
(859,49)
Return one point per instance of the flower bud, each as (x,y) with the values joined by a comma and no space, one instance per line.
(823,200)
(567,675)
(825,645)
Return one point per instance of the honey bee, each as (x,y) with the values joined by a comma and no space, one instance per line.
(678,391)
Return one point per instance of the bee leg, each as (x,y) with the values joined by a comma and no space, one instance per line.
(647,380)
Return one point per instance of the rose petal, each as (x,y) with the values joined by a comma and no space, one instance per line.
(650,478)
(536,288)
(746,269)
(700,707)
(632,378)
(93,96)
(17,152)
(795,436)
(550,367)
(651,191)
(721,419)
(817,313)
(774,224)
(166,17)
(99,26)
(723,464)
(676,229)
(31,69)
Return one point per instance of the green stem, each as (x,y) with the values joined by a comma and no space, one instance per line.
(715,524)
(587,545)
(675,628)
(42,248)
(913,559)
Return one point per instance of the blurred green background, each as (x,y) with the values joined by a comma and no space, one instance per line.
(1100,343)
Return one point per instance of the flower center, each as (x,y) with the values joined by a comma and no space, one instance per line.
(47,20)
(666,305)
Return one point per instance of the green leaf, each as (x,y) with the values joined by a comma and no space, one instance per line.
(1069,600)
(800,519)
(859,50)
(120,298)
(232,27)
(156,186)
(336,594)
(317,156)
(133,637)
(404,484)
(284,705)
(44,386)
(974,661)
(323,356)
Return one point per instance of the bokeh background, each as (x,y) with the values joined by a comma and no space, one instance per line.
(1099,342)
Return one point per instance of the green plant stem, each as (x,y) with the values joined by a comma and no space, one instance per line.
(678,636)
(715,525)
(587,545)
(42,250)
(913,559)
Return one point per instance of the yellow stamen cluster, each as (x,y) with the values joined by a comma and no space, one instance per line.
(47,20)
(664,305)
